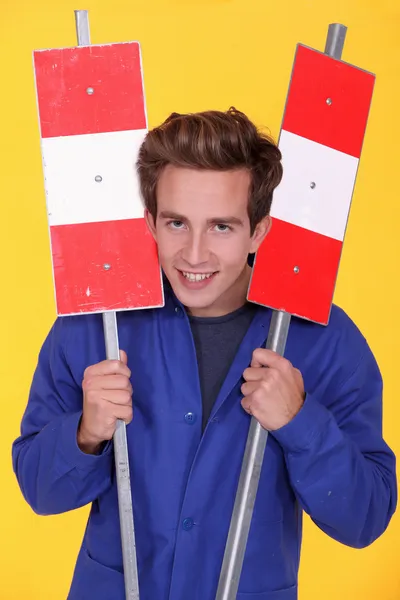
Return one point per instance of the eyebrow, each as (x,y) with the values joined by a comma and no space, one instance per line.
(214,221)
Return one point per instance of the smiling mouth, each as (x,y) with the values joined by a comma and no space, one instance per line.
(196,277)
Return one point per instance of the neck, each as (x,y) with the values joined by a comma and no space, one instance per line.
(231,300)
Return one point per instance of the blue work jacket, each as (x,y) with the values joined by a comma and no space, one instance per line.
(329,461)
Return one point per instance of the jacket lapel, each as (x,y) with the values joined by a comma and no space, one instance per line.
(254,338)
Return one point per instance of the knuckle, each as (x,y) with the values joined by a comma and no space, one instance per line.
(298,375)
(127,398)
(91,396)
(127,386)
(128,415)
(287,365)
(86,383)
(121,369)
(88,372)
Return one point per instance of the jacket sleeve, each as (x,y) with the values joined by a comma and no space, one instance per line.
(342,471)
(52,472)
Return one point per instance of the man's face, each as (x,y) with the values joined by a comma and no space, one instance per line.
(203,235)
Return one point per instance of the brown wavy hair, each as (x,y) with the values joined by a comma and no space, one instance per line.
(220,141)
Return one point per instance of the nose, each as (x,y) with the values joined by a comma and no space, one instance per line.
(195,250)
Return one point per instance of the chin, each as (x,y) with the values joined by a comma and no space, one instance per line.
(194,299)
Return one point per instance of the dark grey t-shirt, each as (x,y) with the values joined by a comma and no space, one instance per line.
(217,340)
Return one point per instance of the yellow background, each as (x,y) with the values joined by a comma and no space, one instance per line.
(197,54)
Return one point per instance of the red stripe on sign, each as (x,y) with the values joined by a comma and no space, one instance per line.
(275,283)
(90,89)
(81,254)
(328,101)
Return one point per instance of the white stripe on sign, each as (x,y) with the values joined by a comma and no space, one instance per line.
(92,178)
(316,188)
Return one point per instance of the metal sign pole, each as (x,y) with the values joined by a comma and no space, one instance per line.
(120,440)
(257,437)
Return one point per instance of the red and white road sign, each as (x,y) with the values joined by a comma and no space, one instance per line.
(93,120)
(321,139)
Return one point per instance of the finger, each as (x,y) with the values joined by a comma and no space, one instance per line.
(268,358)
(115,382)
(246,405)
(108,367)
(123,357)
(254,374)
(124,413)
(249,387)
(119,397)
(107,382)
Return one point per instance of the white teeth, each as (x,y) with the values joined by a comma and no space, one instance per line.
(196,276)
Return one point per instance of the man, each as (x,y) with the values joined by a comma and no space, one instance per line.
(190,376)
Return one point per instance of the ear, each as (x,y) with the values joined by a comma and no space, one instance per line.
(261,231)
(148,217)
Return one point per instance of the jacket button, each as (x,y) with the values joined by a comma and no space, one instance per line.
(178,311)
(190,418)
(187,524)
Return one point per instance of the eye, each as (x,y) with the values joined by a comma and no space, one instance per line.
(223,228)
(175,224)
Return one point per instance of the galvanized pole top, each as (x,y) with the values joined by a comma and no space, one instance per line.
(82,27)
(335,40)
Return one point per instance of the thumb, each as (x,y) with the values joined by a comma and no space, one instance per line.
(255,363)
(258,358)
(123,357)
(263,357)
